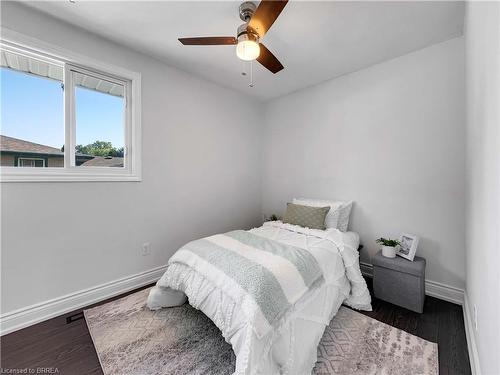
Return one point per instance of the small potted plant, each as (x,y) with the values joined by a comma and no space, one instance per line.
(388,246)
(274,217)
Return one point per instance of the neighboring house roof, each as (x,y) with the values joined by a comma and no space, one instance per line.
(15,145)
(9,144)
(103,161)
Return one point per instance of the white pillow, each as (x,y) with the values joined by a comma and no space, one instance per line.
(337,217)
(345,212)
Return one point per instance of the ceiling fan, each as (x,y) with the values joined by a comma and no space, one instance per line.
(258,21)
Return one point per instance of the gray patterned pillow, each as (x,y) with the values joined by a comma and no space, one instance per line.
(306,216)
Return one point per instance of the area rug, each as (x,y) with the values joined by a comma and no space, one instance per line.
(131,340)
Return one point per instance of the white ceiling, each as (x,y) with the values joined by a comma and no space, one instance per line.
(315,41)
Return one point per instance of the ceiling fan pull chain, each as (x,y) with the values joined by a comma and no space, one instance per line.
(251,74)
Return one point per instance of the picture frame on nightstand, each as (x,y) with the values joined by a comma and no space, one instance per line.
(408,247)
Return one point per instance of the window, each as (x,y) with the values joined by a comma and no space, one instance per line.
(32,109)
(30,162)
(63,119)
(99,110)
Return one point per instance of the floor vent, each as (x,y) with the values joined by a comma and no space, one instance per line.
(74,317)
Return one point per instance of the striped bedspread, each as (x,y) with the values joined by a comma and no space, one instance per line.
(266,277)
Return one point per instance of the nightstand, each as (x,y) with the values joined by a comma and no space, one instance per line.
(400,281)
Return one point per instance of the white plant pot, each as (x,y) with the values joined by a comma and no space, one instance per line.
(389,251)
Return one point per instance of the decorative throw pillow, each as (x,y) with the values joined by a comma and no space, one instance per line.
(306,216)
(332,218)
(337,217)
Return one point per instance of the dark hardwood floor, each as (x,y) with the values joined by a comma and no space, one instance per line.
(442,322)
(68,346)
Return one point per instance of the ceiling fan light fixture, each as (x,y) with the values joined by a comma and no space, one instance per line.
(247,50)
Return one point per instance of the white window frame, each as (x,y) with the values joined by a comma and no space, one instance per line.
(72,62)
(31,159)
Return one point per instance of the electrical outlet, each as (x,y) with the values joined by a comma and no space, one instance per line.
(146,249)
(475,317)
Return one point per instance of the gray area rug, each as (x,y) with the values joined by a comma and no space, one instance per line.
(130,339)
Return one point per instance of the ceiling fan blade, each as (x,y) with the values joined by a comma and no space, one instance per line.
(266,13)
(209,41)
(268,60)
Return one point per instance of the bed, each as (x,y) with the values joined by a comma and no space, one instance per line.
(271,290)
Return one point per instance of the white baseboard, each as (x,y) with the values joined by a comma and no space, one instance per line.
(432,288)
(444,292)
(27,316)
(471,338)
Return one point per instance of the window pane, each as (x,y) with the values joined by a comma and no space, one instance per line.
(32,111)
(100,122)
(32,163)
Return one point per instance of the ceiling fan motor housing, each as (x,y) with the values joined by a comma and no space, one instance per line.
(247,9)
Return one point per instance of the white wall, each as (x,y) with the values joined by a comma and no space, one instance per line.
(482,41)
(201,175)
(391,138)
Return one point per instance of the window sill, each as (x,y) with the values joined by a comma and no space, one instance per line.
(46,175)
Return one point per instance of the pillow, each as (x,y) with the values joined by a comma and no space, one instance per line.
(345,212)
(337,217)
(332,218)
(306,216)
